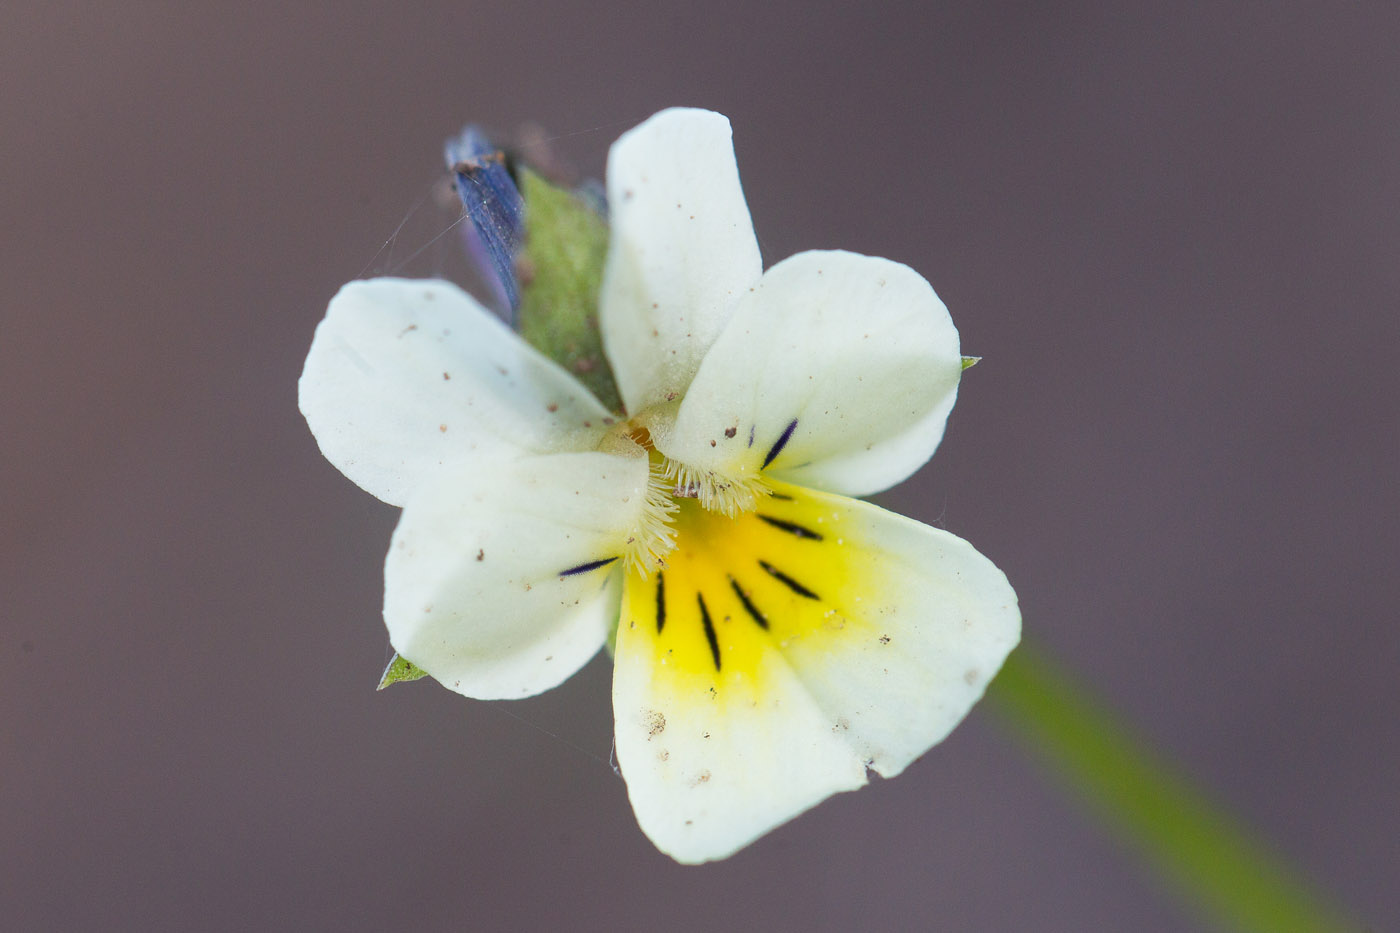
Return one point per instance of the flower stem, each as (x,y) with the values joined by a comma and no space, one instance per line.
(1210,858)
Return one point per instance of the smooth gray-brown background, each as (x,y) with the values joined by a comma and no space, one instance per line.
(1171,231)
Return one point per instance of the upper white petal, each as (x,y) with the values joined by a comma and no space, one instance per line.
(856,353)
(475,589)
(682,251)
(405,376)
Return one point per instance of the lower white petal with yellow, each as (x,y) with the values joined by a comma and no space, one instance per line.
(505,579)
(781,653)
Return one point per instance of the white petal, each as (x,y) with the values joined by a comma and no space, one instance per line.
(837,373)
(682,251)
(487,586)
(921,623)
(406,375)
(844,637)
(707,776)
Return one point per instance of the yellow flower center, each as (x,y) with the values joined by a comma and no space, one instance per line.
(734,587)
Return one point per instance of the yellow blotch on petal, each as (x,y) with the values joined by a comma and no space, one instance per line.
(737,593)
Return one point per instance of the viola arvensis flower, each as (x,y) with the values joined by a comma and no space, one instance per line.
(775,638)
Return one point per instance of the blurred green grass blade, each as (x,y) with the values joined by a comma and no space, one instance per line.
(1211,859)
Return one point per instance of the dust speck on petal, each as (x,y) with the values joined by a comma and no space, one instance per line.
(656,723)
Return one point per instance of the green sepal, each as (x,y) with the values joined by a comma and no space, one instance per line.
(970,361)
(561,272)
(400,671)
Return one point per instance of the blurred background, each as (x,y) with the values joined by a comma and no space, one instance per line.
(1170,230)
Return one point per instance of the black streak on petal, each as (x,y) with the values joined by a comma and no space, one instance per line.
(787,581)
(751,427)
(748,605)
(709,629)
(782,442)
(660,602)
(791,528)
(584,568)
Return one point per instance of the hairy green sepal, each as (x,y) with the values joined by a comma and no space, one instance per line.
(561,271)
(400,671)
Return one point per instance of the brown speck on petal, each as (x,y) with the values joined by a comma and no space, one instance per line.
(656,723)
(446,377)
(551,407)
(730,432)
(480,554)
(442,428)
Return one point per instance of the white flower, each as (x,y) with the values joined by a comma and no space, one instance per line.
(775,638)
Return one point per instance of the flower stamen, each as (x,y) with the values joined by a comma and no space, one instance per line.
(727,495)
(654,537)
